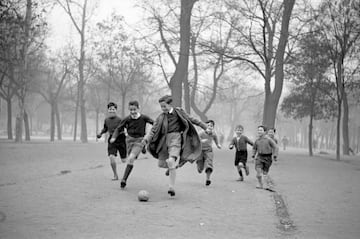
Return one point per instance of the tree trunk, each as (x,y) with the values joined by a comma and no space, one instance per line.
(27,126)
(181,70)
(9,119)
(272,100)
(310,135)
(187,95)
(76,114)
(58,121)
(345,124)
(123,98)
(52,122)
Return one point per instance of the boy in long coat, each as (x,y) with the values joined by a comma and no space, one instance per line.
(173,139)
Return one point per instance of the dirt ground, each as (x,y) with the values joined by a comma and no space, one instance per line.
(64,190)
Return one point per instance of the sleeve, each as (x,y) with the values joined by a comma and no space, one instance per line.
(105,128)
(249,141)
(154,129)
(120,128)
(193,120)
(254,150)
(148,120)
(216,139)
(232,143)
(274,147)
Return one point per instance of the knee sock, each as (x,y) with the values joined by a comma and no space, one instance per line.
(240,172)
(127,172)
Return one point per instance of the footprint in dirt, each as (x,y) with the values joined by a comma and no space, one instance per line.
(63,172)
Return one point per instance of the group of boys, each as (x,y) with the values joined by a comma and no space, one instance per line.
(174,141)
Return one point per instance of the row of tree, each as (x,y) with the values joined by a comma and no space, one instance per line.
(204,53)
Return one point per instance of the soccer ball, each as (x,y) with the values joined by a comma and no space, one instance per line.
(143,196)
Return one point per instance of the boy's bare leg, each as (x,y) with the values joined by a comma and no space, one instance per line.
(259,177)
(172,175)
(113,166)
(239,169)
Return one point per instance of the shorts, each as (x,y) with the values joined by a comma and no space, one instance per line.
(264,162)
(118,145)
(172,149)
(134,145)
(241,157)
(205,161)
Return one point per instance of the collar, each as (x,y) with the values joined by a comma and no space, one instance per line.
(171,110)
(136,117)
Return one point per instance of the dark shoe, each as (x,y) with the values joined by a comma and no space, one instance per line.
(208,182)
(123,184)
(171,192)
(143,150)
(167,172)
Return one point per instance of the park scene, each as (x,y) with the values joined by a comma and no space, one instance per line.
(179,119)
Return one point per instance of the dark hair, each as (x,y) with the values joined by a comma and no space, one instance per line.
(239,126)
(262,126)
(112,104)
(134,103)
(211,121)
(167,99)
(272,129)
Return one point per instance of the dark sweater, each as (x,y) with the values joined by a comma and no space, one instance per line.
(134,127)
(110,124)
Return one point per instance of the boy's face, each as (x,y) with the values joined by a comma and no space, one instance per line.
(112,111)
(261,131)
(239,131)
(134,110)
(271,132)
(210,127)
(165,107)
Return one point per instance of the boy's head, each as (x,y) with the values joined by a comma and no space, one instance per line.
(210,125)
(271,132)
(112,108)
(261,130)
(239,129)
(166,103)
(134,108)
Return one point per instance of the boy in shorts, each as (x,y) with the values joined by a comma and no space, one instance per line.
(240,142)
(135,125)
(173,139)
(271,133)
(207,156)
(110,124)
(263,148)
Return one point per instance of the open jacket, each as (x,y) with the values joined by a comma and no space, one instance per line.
(190,144)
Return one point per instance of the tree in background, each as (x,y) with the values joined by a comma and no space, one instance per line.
(339,23)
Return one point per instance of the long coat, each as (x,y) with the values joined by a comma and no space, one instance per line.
(190,143)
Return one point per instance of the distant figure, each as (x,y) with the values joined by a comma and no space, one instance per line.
(207,156)
(285,142)
(135,125)
(110,124)
(240,142)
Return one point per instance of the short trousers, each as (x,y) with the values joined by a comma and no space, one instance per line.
(134,145)
(264,162)
(173,149)
(205,161)
(241,157)
(118,145)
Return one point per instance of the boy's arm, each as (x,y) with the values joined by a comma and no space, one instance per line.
(194,120)
(119,129)
(249,141)
(274,147)
(232,143)
(148,120)
(216,141)
(254,150)
(152,131)
(103,131)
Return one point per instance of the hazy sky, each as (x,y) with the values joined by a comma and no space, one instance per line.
(61,27)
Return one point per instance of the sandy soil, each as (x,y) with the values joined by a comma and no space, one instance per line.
(64,190)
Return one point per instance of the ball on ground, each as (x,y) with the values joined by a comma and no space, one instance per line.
(143,196)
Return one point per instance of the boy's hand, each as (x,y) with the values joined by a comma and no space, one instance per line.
(112,140)
(219,146)
(144,142)
(98,136)
(253,156)
(231,146)
(275,158)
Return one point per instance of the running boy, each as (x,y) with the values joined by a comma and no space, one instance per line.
(135,125)
(206,159)
(240,142)
(173,138)
(264,146)
(110,123)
